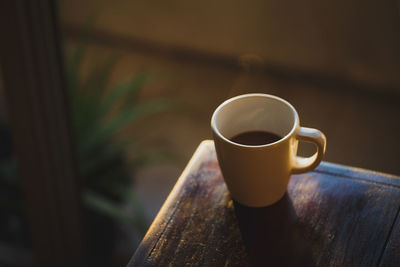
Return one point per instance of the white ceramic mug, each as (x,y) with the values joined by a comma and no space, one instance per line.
(258,175)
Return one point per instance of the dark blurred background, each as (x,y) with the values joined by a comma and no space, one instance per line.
(337,62)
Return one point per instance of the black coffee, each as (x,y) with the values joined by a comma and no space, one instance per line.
(255,138)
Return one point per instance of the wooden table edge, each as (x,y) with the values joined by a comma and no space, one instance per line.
(169,207)
(344,171)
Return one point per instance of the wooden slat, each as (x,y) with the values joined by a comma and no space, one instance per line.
(346,222)
(391,256)
(325,219)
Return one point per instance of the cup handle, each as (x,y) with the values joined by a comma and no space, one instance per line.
(312,136)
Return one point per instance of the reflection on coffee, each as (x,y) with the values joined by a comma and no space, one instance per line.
(255,138)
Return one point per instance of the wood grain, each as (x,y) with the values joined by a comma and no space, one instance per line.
(334,216)
(196,225)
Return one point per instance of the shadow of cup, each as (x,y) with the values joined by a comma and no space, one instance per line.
(272,235)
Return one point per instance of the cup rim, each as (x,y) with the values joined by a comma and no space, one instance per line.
(226,102)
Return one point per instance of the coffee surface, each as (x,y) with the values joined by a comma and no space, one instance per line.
(255,138)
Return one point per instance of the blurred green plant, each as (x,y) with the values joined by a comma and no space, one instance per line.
(99,113)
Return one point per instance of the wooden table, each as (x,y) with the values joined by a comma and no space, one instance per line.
(333,216)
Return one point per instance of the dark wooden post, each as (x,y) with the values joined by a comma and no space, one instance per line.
(36,97)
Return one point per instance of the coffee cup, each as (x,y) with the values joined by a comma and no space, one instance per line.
(256,138)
